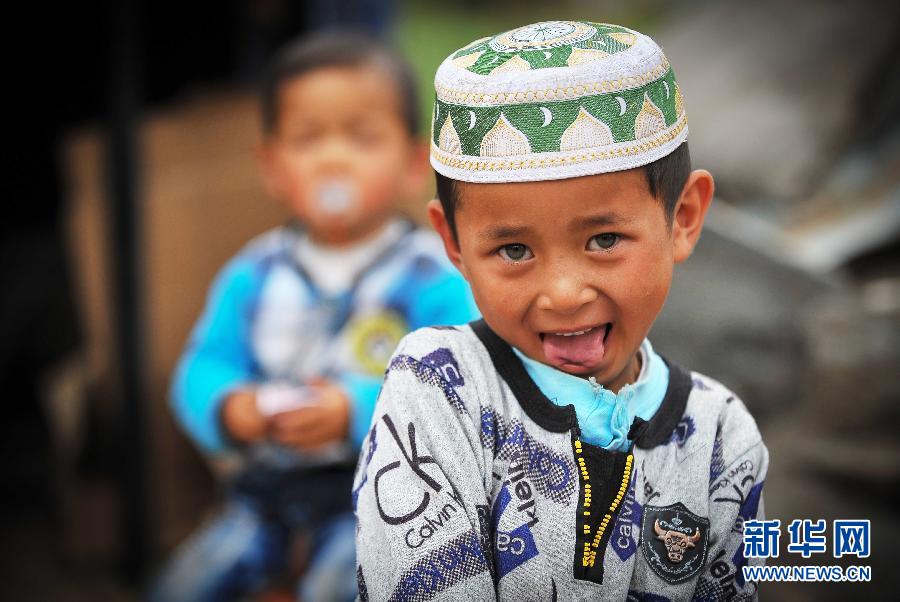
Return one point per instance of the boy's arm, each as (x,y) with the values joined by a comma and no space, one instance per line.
(735,497)
(419,492)
(217,360)
(362,392)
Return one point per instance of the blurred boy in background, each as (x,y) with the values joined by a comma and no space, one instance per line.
(284,365)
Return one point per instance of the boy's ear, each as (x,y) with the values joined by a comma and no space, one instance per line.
(451,247)
(265,158)
(418,171)
(690,212)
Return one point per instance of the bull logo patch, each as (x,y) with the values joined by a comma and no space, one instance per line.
(674,541)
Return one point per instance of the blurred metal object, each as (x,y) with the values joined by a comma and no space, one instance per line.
(777,91)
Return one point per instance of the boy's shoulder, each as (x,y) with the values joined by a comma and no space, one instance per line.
(411,241)
(426,242)
(261,250)
(244,272)
(268,244)
(443,360)
(708,394)
(417,275)
(455,352)
(424,250)
(714,408)
(442,345)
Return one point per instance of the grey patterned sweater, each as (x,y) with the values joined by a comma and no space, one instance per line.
(472,485)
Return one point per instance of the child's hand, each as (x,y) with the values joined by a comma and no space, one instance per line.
(325,421)
(242,419)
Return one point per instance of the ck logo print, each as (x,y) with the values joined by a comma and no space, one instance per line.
(437,369)
(430,525)
(628,523)
(514,546)
(442,568)
(551,473)
(443,361)
(674,541)
(414,463)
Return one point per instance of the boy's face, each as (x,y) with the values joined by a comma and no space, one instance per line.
(340,155)
(571,272)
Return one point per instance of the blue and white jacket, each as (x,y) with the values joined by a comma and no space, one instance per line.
(266,321)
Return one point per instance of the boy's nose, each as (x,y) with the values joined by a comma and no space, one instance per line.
(333,154)
(566,294)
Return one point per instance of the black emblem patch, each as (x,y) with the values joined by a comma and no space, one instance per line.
(674,541)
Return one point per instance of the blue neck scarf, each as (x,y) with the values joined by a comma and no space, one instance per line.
(603,416)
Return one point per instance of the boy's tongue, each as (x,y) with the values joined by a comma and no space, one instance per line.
(585,349)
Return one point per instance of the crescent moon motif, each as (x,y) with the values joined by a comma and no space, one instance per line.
(622,105)
(471,119)
(666,85)
(548,116)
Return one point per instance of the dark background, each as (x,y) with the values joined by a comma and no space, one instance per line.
(129,178)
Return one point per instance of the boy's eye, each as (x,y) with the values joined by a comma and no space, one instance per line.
(302,138)
(515,252)
(365,132)
(366,138)
(603,241)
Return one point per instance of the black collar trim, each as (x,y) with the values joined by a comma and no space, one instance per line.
(658,430)
(557,419)
(541,410)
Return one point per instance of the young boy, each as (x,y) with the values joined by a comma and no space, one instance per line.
(284,365)
(547,452)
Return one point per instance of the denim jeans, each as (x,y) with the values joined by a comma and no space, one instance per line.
(239,551)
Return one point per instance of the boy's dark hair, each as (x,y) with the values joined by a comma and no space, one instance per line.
(666,178)
(338,48)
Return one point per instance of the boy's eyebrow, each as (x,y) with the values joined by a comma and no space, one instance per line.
(503,231)
(601,219)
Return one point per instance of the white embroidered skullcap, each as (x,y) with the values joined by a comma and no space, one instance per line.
(552,100)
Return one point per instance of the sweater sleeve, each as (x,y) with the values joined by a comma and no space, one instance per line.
(218,357)
(735,497)
(419,493)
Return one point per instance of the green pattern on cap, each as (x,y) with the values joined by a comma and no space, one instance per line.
(545,45)
(545,135)
(553,100)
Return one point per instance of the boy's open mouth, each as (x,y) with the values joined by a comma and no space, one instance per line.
(581,347)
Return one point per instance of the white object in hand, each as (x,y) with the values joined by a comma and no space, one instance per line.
(278,398)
